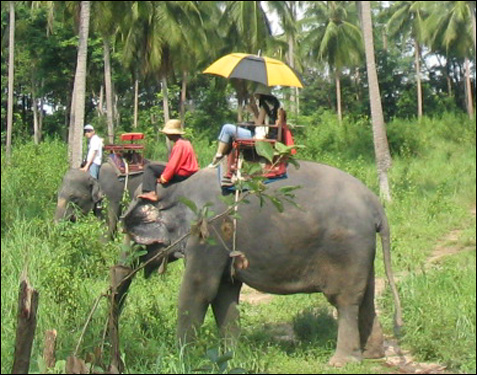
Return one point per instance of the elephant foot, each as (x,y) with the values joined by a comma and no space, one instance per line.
(340,360)
(374,353)
(374,347)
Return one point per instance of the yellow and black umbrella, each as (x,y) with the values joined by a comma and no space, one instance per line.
(267,71)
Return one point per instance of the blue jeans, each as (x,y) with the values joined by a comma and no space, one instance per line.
(94,170)
(230,131)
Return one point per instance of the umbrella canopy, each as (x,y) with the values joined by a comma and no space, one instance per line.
(267,71)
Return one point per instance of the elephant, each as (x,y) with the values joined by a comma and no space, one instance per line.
(80,188)
(324,242)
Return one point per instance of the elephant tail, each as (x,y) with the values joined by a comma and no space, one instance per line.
(383,229)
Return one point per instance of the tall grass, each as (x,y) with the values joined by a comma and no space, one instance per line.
(433,188)
(30,182)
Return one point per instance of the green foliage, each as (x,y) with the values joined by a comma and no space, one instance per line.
(433,186)
(432,179)
(211,110)
(33,177)
(323,134)
(443,316)
(219,363)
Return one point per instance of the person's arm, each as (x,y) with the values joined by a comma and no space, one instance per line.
(94,146)
(89,160)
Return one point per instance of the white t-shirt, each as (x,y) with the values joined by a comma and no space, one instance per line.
(95,144)
(261,132)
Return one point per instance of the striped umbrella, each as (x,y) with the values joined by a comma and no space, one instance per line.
(267,71)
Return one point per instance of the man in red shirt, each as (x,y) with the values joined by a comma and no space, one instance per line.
(181,165)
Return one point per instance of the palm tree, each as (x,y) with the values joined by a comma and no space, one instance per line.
(245,28)
(408,19)
(449,29)
(152,32)
(334,38)
(11,60)
(472,19)
(381,147)
(193,47)
(287,13)
(107,16)
(79,89)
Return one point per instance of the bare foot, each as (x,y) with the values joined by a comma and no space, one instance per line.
(150,196)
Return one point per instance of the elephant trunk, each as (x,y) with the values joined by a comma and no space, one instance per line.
(62,210)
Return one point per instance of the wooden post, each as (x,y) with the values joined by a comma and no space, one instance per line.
(118,288)
(49,348)
(26,325)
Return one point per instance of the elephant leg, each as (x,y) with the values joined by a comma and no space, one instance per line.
(113,214)
(225,310)
(348,346)
(371,334)
(205,267)
(199,287)
(192,309)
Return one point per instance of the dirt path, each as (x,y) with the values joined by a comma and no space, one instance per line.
(396,358)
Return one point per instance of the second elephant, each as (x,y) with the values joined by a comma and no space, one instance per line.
(84,191)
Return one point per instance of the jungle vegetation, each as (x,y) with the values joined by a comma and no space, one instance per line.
(143,63)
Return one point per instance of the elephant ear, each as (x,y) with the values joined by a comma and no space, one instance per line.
(143,222)
(96,193)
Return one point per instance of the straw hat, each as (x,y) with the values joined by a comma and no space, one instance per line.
(173,127)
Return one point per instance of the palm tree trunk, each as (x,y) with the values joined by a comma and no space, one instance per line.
(448,79)
(183,95)
(40,117)
(79,90)
(36,120)
(70,126)
(338,96)
(165,106)
(109,89)
(99,107)
(165,98)
(136,101)
(11,59)
(381,147)
(291,62)
(472,17)
(417,53)
(468,85)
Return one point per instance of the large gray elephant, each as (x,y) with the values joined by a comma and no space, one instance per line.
(80,188)
(326,243)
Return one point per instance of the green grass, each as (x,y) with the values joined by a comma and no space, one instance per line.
(439,311)
(433,187)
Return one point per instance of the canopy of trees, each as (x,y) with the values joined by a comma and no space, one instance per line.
(145,58)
